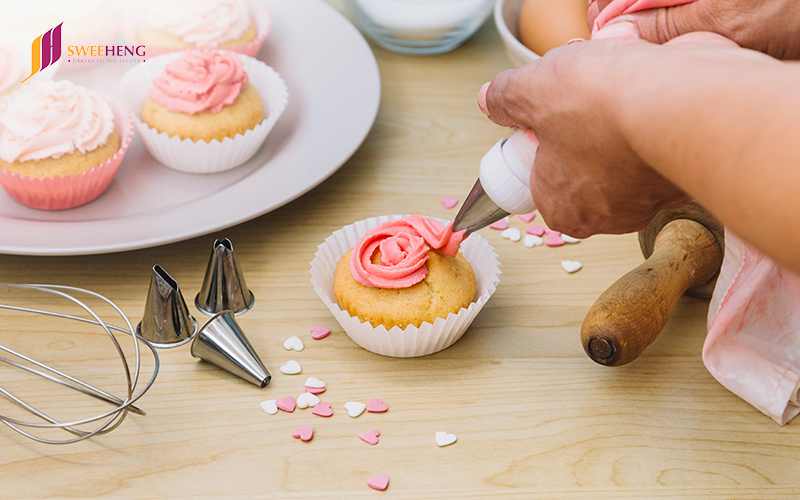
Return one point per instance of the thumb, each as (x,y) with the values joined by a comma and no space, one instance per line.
(663,24)
(505,100)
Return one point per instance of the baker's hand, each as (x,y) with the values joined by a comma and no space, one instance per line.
(587,178)
(769,26)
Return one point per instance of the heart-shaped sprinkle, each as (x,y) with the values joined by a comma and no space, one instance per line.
(448,201)
(443,438)
(354,408)
(286,404)
(323,410)
(307,399)
(527,217)
(314,382)
(269,406)
(319,332)
(512,234)
(379,482)
(293,344)
(315,390)
(291,368)
(370,436)
(536,230)
(531,240)
(553,238)
(569,239)
(571,266)
(502,224)
(377,406)
(304,433)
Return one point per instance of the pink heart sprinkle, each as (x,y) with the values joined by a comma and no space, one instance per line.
(553,238)
(286,404)
(376,406)
(379,482)
(536,230)
(502,224)
(527,217)
(319,331)
(370,436)
(448,201)
(305,433)
(323,410)
(315,390)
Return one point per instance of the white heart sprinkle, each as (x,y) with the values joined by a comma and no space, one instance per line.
(293,343)
(512,234)
(443,438)
(531,240)
(307,399)
(569,239)
(355,408)
(269,406)
(291,368)
(571,266)
(314,383)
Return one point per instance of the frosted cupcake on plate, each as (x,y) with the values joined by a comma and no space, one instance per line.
(204,110)
(169,25)
(404,286)
(61,144)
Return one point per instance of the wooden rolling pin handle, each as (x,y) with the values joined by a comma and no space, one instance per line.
(628,316)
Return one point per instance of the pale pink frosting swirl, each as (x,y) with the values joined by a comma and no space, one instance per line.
(51,120)
(199,22)
(10,69)
(202,79)
(404,246)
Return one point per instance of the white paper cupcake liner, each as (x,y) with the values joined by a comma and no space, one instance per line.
(411,341)
(203,157)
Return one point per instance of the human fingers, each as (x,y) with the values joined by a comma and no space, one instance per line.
(506,100)
(666,23)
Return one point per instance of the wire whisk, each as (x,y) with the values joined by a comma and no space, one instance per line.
(106,421)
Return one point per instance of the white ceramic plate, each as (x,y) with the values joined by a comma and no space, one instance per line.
(334,92)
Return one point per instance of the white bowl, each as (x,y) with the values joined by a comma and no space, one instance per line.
(506,18)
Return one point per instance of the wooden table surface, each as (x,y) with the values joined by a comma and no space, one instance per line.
(535,418)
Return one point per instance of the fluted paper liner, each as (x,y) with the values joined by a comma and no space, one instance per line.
(59,193)
(201,157)
(411,341)
(259,14)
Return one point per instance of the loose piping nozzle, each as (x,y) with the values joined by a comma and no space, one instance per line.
(477,212)
(166,321)
(224,287)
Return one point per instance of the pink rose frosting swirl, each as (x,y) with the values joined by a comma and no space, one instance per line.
(51,120)
(404,246)
(202,79)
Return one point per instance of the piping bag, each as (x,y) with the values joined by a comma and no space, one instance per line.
(753,342)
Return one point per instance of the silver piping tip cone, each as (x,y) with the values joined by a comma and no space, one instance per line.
(224,288)
(221,342)
(478,211)
(166,321)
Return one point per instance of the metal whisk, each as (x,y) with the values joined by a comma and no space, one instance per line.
(106,421)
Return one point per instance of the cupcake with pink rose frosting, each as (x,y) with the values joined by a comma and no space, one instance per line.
(61,144)
(169,25)
(204,110)
(404,286)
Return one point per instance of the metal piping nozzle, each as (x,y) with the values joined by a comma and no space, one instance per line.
(478,211)
(224,287)
(166,321)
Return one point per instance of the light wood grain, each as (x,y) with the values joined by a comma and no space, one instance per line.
(535,418)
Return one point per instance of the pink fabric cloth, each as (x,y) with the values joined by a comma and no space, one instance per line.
(620,7)
(753,342)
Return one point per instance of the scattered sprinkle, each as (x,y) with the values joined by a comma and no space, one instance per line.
(323,410)
(536,230)
(370,436)
(443,438)
(527,217)
(571,266)
(512,234)
(307,399)
(354,408)
(553,238)
(569,239)
(501,225)
(531,240)
(291,368)
(448,201)
(304,433)
(319,332)
(379,482)
(293,344)
(286,404)
(269,406)
(377,406)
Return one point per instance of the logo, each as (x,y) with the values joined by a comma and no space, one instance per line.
(45,50)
